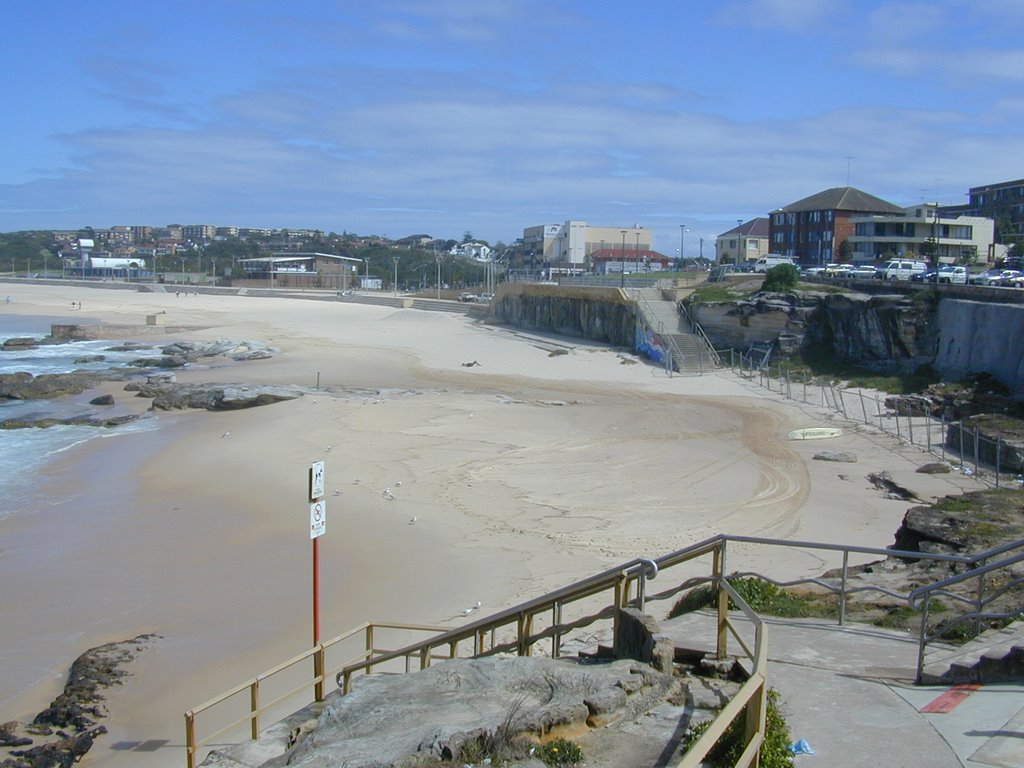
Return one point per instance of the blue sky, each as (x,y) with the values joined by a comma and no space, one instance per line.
(396,117)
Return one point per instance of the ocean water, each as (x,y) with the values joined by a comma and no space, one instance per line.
(23,452)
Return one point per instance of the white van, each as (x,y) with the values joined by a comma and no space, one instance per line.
(900,269)
(771,260)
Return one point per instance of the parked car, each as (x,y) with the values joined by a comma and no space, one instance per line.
(1008,275)
(948,273)
(925,277)
(466,296)
(986,277)
(995,276)
(812,271)
(837,270)
(900,269)
(771,260)
(864,272)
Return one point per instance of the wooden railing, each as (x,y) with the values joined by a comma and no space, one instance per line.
(546,621)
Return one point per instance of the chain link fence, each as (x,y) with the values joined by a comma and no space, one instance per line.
(994,460)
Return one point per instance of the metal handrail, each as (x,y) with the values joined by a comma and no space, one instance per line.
(620,580)
(699,331)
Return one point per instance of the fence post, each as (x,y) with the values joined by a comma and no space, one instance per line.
(863,408)
(878,411)
(318,672)
(898,436)
(976,446)
(368,643)
(556,637)
(254,709)
(842,593)
(922,639)
(805,387)
(722,637)
(910,422)
(999,454)
(942,434)
(190,739)
(961,430)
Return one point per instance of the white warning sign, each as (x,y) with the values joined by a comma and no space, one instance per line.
(317,519)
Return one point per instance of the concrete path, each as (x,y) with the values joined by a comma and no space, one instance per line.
(848,691)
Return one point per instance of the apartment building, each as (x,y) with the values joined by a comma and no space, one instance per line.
(812,229)
(747,241)
(920,228)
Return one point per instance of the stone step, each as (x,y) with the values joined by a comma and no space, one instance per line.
(993,656)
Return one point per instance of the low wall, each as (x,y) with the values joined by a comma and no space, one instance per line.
(598,314)
(977,336)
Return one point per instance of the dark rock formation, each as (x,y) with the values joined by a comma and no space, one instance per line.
(102,400)
(43,421)
(170,396)
(840,456)
(25,386)
(65,731)
(20,342)
(973,522)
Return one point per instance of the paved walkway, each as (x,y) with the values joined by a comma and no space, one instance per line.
(848,691)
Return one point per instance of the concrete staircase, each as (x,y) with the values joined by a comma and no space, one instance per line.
(993,656)
(690,354)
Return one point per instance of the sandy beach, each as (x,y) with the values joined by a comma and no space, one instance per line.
(523,473)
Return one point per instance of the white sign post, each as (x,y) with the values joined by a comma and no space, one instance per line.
(317,528)
(317,518)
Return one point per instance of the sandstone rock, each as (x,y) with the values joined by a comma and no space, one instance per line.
(842,456)
(40,421)
(102,400)
(20,342)
(25,386)
(435,712)
(215,397)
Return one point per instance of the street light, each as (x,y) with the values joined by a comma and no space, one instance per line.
(395,260)
(437,259)
(739,238)
(682,244)
(622,264)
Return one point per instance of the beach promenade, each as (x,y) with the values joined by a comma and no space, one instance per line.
(523,472)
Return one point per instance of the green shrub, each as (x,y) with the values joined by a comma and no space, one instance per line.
(781,278)
(560,752)
(727,750)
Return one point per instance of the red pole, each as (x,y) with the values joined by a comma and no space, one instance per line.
(316,591)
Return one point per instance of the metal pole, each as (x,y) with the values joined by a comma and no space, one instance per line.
(622,270)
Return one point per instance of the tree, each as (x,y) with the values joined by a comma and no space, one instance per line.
(467,236)
(845,252)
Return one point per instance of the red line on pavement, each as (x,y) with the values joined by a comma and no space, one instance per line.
(948,701)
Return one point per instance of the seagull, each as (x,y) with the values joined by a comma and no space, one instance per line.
(467,611)
(398,484)
(225,435)
(412,521)
(329,447)
(388,495)
(337,492)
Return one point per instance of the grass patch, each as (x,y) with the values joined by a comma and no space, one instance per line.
(763,597)
(727,750)
(560,752)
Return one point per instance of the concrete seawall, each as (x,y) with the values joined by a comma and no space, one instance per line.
(976,336)
(598,314)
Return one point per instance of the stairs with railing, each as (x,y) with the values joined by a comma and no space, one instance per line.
(690,350)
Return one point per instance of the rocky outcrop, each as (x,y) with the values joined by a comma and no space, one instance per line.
(881,332)
(972,522)
(444,711)
(169,395)
(61,734)
(43,421)
(25,386)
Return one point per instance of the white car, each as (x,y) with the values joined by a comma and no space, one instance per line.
(864,272)
(899,269)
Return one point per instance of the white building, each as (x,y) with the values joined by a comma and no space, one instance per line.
(959,239)
(567,248)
